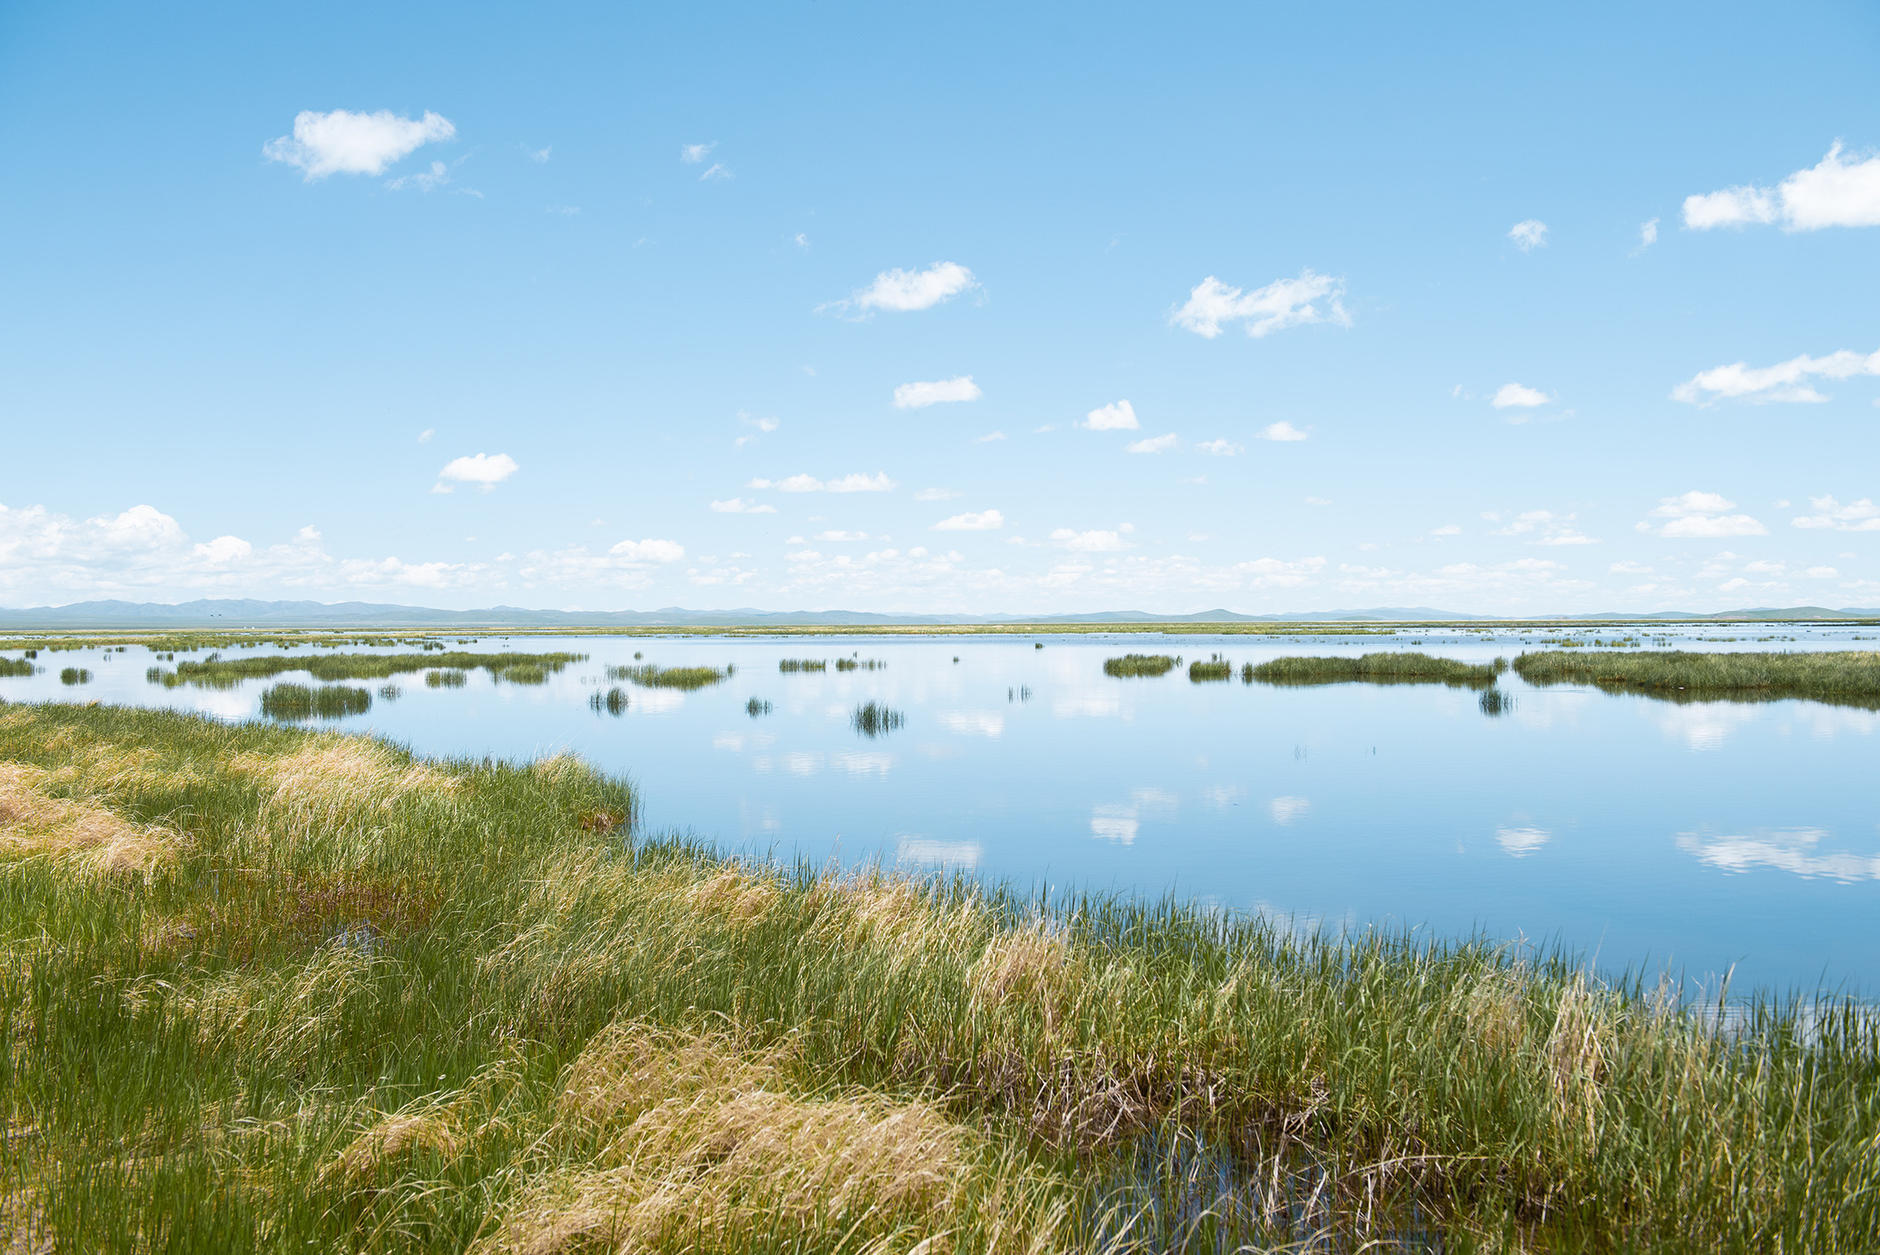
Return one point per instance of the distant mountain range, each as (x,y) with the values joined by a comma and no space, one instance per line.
(230,613)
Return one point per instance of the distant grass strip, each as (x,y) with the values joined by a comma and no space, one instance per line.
(1378,668)
(1846,677)
(227,672)
(265,989)
(649,676)
(1140,664)
(328,701)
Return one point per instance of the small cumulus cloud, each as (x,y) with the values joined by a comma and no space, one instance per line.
(486,470)
(1220,448)
(1529,234)
(1282,431)
(904,291)
(1518,396)
(921,394)
(1283,303)
(1700,516)
(1088,542)
(858,482)
(1830,515)
(738,505)
(648,551)
(1117,416)
(344,142)
(1155,444)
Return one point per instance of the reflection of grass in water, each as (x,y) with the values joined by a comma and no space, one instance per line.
(875,719)
(1380,668)
(16,666)
(756,706)
(1140,664)
(1214,669)
(327,701)
(1846,677)
(74,675)
(446,679)
(657,677)
(365,1001)
(788,665)
(1497,701)
(613,701)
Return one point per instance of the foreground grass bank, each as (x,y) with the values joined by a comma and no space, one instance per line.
(1842,676)
(269,989)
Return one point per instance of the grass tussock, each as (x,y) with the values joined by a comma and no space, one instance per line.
(1846,677)
(1377,668)
(16,667)
(325,701)
(873,719)
(446,679)
(789,666)
(1210,671)
(1140,664)
(74,675)
(612,702)
(355,1000)
(651,676)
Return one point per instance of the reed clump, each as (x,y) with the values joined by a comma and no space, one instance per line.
(326,701)
(16,666)
(612,702)
(872,719)
(859,664)
(1844,677)
(1377,668)
(1140,665)
(1210,671)
(447,679)
(330,996)
(791,665)
(74,675)
(650,675)
(756,707)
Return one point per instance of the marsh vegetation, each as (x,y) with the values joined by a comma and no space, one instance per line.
(324,701)
(218,672)
(1140,665)
(269,989)
(872,719)
(1211,671)
(1375,668)
(1848,677)
(612,702)
(16,666)
(649,675)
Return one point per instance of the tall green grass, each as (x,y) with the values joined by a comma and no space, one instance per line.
(74,675)
(326,701)
(1140,664)
(1211,671)
(649,675)
(1376,668)
(271,990)
(1847,677)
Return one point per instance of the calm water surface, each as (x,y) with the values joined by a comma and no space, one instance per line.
(1643,834)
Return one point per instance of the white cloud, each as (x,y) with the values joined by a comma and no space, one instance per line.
(1647,234)
(1447,529)
(982,521)
(424,437)
(989,437)
(223,550)
(539,156)
(1702,516)
(1280,304)
(1155,444)
(1220,448)
(738,505)
(1822,573)
(486,469)
(901,291)
(1087,542)
(1546,527)
(343,142)
(800,239)
(715,171)
(1785,381)
(1118,416)
(1831,193)
(857,482)
(1281,431)
(424,181)
(920,395)
(1528,234)
(1830,514)
(692,154)
(1518,396)
(841,536)
(648,551)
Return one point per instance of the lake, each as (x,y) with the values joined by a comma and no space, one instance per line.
(1647,835)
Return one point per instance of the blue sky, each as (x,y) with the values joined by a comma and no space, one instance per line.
(583,307)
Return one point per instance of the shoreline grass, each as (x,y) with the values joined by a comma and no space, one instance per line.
(1375,668)
(1842,677)
(263,988)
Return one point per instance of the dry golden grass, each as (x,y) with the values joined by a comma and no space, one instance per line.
(702,1145)
(35,824)
(338,771)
